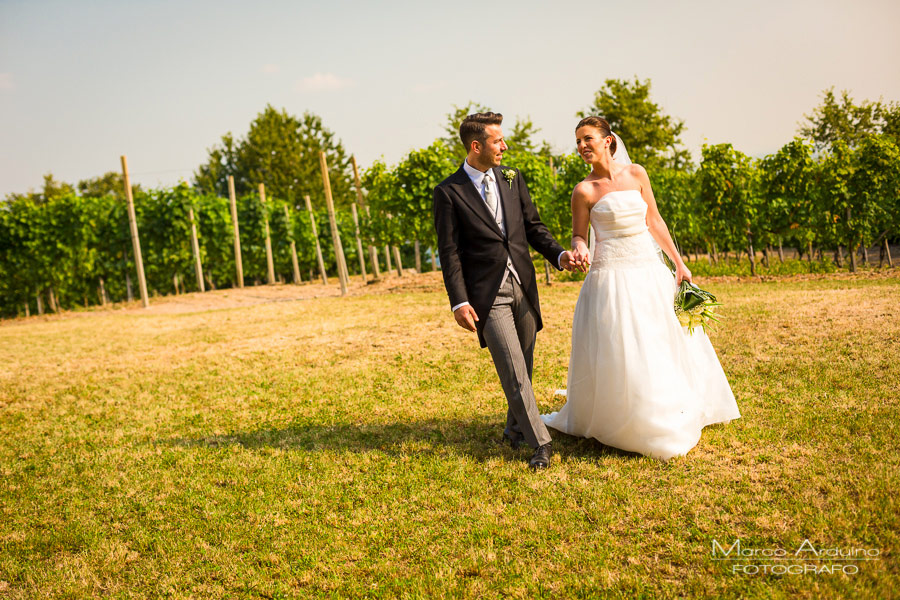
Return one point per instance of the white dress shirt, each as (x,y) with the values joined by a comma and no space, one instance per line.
(477,178)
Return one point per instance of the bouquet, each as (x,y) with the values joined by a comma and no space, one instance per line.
(694,307)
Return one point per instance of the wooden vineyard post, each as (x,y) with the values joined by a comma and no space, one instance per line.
(270,265)
(195,248)
(373,257)
(335,234)
(312,221)
(433,258)
(418,254)
(104,297)
(294,263)
(359,246)
(135,240)
(387,258)
(238,265)
(373,253)
(397,260)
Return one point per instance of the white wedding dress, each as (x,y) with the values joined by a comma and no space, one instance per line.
(638,380)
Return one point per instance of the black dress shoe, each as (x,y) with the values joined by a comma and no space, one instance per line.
(541,458)
(515,440)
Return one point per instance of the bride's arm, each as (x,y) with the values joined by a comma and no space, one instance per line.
(658,228)
(581,221)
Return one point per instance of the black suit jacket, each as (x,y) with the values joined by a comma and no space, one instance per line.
(473,250)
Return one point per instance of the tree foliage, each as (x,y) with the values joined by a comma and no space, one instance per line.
(65,241)
(281,151)
(652,137)
(843,120)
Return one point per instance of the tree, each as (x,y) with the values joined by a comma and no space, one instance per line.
(890,121)
(874,187)
(786,180)
(51,190)
(728,190)
(653,139)
(842,119)
(521,141)
(848,210)
(677,194)
(451,127)
(281,151)
(405,193)
(108,184)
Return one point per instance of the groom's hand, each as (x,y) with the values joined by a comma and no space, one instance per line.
(466,317)
(571,262)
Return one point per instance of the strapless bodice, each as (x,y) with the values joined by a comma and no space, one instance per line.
(618,214)
(619,220)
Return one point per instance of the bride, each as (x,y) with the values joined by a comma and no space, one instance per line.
(637,381)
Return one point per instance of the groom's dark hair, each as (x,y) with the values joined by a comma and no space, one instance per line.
(472,127)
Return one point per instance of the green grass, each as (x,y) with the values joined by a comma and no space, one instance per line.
(348,448)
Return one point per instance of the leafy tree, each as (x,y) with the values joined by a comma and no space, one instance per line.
(164,230)
(281,151)
(890,121)
(873,190)
(554,205)
(521,141)
(841,120)
(653,138)
(787,181)
(678,197)
(402,196)
(215,235)
(19,265)
(451,127)
(108,184)
(728,190)
(551,201)
(847,212)
(51,189)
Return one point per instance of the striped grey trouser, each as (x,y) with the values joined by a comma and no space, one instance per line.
(510,333)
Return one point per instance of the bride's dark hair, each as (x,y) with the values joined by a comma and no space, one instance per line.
(601,124)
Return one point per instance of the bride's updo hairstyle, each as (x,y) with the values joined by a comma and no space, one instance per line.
(601,124)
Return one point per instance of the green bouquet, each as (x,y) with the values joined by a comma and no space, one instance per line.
(694,307)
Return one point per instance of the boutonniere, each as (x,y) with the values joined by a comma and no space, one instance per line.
(509,175)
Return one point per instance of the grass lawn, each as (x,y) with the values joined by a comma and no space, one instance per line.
(347,447)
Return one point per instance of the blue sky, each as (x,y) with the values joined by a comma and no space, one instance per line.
(83,82)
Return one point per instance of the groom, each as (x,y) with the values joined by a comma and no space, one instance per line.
(485,221)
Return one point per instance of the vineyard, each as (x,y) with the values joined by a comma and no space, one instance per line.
(830,200)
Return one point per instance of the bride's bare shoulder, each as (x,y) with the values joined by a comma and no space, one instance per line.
(637,171)
(584,191)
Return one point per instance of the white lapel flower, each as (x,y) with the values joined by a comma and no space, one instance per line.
(509,175)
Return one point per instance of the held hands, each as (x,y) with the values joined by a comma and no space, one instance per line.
(578,259)
(466,317)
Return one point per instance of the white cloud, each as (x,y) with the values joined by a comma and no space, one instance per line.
(322,82)
(271,69)
(6,81)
